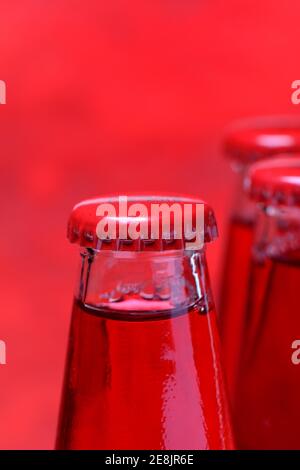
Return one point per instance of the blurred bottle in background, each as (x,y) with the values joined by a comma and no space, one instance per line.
(246,142)
(143,368)
(266,409)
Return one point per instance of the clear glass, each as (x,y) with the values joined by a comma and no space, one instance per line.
(143,368)
(266,410)
(234,285)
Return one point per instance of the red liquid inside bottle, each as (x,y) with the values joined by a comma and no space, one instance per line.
(266,411)
(143,368)
(267,407)
(153,378)
(234,295)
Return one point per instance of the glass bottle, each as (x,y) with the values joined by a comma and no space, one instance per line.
(266,410)
(143,368)
(246,142)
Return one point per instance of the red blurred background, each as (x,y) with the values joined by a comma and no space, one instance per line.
(113,97)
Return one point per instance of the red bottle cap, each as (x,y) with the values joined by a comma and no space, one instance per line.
(275,181)
(254,139)
(118,213)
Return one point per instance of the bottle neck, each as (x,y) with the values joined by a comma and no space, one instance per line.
(277,234)
(143,284)
(244,210)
